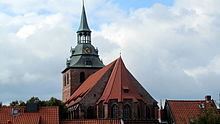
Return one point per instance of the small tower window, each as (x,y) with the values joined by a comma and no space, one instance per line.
(67,81)
(83,38)
(64,80)
(82,77)
(114,111)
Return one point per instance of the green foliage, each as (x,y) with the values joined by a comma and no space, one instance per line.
(34,100)
(55,102)
(0,104)
(17,103)
(21,103)
(208,116)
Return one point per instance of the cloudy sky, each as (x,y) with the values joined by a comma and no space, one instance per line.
(172,47)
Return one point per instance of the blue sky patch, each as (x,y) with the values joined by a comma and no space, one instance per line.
(134,4)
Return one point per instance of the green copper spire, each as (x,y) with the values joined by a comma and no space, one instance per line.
(84,55)
(83,23)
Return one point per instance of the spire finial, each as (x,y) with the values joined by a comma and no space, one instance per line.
(83,23)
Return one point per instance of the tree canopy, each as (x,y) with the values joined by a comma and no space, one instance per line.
(207,116)
(51,102)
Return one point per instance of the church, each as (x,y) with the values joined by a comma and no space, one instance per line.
(92,90)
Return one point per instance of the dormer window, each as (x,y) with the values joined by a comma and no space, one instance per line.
(15,112)
(202,106)
(126,90)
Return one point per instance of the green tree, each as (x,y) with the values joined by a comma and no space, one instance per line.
(62,108)
(14,103)
(17,103)
(52,102)
(207,116)
(0,104)
(22,103)
(34,100)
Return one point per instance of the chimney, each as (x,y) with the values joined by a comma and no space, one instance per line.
(161,115)
(208,98)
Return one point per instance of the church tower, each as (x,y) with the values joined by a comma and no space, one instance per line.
(83,62)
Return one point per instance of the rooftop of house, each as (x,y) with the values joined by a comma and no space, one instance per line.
(183,111)
(19,115)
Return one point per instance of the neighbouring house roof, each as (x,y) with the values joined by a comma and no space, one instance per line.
(45,115)
(182,111)
(120,85)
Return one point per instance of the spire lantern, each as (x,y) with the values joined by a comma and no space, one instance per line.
(83,33)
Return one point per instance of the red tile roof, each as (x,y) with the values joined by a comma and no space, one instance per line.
(121,85)
(45,115)
(26,119)
(89,83)
(120,80)
(184,110)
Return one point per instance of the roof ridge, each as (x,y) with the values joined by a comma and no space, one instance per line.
(120,60)
(114,78)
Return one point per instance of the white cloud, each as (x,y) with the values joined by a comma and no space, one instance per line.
(160,42)
(4,76)
(28,77)
(27,30)
(212,67)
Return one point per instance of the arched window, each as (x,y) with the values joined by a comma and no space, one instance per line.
(139,112)
(90,112)
(148,113)
(127,112)
(67,79)
(114,111)
(64,80)
(76,114)
(82,77)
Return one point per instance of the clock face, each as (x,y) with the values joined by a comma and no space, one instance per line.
(87,50)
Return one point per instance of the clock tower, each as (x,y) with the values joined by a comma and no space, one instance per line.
(83,61)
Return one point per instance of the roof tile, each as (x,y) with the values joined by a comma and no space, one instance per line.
(184,110)
(45,115)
